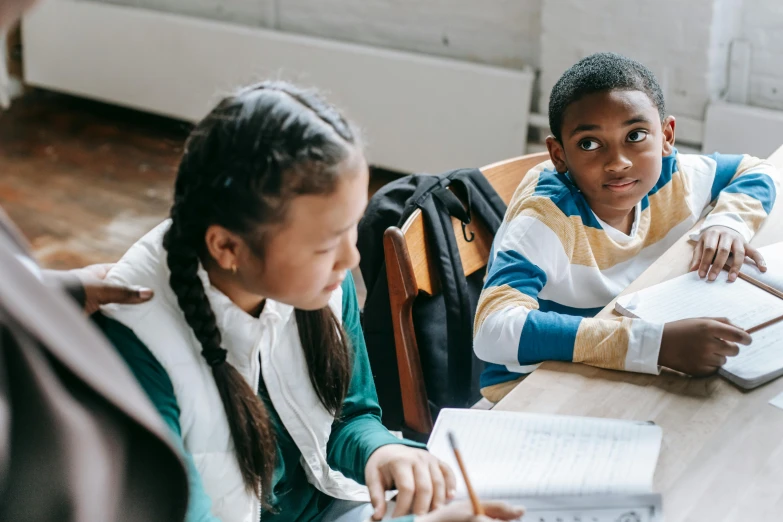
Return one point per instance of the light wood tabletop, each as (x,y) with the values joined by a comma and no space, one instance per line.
(722,453)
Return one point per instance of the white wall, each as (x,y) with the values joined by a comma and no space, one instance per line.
(727,27)
(671,37)
(763,28)
(496,32)
(685,42)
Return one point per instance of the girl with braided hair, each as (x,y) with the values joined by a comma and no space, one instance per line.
(252,349)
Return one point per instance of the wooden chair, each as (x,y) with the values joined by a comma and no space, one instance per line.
(410,271)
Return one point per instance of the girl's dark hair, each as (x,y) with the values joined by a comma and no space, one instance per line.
(242,165)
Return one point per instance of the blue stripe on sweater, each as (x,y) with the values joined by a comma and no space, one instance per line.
(726,167)
(550,306)
(547,337)
(756,185)
(668,168)
(515,270)
(563,192)
(496,374)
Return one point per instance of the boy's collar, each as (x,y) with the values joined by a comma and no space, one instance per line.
(569,181)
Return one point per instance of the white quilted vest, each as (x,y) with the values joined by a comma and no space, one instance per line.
(273,338)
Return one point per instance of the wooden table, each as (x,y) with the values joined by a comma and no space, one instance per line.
(722,453)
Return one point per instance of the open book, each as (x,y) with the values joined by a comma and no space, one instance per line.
(746,304)
(559,467)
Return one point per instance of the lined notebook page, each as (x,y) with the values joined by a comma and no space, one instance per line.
(510,454)
(773,256)
(688,296)
(762,357)
(745,305)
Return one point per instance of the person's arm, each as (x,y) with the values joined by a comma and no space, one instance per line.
(156,383)
(358,431)
(512,331)
(65,280)
(364,450)
(744,190)
(89,289)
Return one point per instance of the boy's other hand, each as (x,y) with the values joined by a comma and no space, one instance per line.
(699,347)
(714,248)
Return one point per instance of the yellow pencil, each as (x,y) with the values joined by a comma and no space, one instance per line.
(477,509)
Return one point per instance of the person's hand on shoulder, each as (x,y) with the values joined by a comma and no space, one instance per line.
(423,482)
(89,287)
(718,243)
(99,292)
(463,512)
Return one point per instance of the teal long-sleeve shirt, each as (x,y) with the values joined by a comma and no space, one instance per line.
(355,435)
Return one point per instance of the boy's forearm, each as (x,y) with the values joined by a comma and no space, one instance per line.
(746,201)
(619,344)
(519,336)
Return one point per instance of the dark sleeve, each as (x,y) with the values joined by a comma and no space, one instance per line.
(358,432)
(155,381)
(66,281)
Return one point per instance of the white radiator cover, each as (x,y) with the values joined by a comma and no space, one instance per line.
(418,113)
(740,129)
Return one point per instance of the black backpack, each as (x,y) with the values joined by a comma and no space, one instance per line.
(444,322)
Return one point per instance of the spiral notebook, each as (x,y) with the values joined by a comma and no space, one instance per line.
(747,304)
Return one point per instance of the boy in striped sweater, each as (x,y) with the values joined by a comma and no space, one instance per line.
(581,227)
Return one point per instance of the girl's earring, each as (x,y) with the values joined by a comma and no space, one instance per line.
(234,269)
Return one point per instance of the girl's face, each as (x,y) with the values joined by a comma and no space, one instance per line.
(307,256)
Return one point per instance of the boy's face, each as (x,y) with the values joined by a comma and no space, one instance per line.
(612,146)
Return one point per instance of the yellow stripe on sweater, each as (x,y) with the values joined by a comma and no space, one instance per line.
(525,190)
(496,298)
(603,342)
(750,209)
(748,163)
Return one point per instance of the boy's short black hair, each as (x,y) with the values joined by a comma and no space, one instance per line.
(601,72)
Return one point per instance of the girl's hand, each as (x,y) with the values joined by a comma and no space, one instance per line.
(422,481)
(715,246)
(463,512)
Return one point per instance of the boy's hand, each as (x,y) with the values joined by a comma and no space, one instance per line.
(463,512)
(715,246)
(699,347)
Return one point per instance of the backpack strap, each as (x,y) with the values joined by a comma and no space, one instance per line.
(479,198)
(437,212)
(486,202)
(455,206)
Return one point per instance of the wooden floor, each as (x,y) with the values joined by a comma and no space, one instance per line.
(84,180)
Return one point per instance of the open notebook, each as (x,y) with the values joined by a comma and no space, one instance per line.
(556,465)
(744,303)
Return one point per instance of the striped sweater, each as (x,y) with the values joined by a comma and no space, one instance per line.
(555,264)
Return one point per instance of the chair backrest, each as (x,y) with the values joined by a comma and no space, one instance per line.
(505,177)
(410,271)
